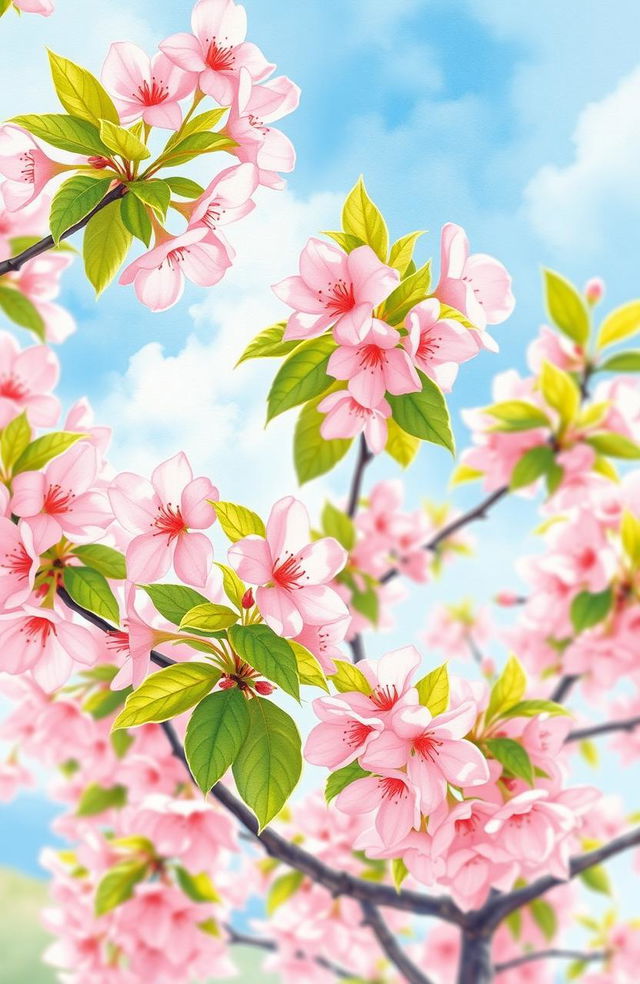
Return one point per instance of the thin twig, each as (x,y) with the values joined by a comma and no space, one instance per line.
(580,734)
(14,263)
(243,939)
(364,457)
(563,687)
(553,954)
(357,649)
(391,947)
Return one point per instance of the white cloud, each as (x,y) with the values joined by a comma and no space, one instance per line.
(194,399)
(577,206)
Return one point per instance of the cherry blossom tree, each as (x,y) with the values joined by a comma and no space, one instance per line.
(157,679)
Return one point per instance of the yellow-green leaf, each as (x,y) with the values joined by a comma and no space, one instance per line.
(167,693)
(621,323)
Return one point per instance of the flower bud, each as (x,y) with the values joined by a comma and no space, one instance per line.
(247,599)
(594,290)
(264,688)
(226,683)
(507,599)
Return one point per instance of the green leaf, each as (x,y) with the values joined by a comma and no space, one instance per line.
(531,466)
(518,415)
(14,439)
(123,142)
(531,708)
(623,362)
(630,536)
(156,194)
(269,344)
(233,586)
(75,199)
(597,879)
(167,693)
(310,672)
(102,703)
(238,521)
(268,767)
(302,376)
(348,678)
(36,455)
(313,456)
(576,969)
(121,742)
(282,889)
(198,888)
(345,240)
(554,477)
(589,752)
(508,689)
(424,414)
(105,246)
(22,311)
(215,734)
(544,917)
(209,618)
(560,392)
(173,601)
(261,648)
(362,218)
(136,219)
(80,92)
(366,602)
(512,756)
(337,524)
(566,306)
(433,690)
(411,291)
(342,778)
(614,445)
(589,609)
(401,253)
(118,884)
(90,590)
(105,560)
(402,447)
(621,323)
(463,473)
(194,145)
(197,124)
(399,872)
(184,187)
(65,132)
(96,799)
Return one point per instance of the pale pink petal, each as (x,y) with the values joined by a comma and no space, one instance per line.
(319,604)
(193,558)
(322,560)
(279,611)
(185,51)
(170,477)
(197,512)
(148,558)
(252,560)
(288,528)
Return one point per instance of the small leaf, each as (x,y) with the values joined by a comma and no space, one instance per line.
(122,142)
(282,889)
(401,253)
(156,194)
(588,609)
(544,917)
(533,464)
(399,872)
(508,689)
(566,306)
(348,678)
(233,586)
(167,693)
(621,323)
(402,447)
(531,708)
(424,414)
(309,670)
(209,618)
(345,240)
(105,246)
(597,879)
(173,601)
(362,218)
(313,455)
(102,703)
(14,439)
(196,144)
(37,454)
(197,124)
(215,734)
(96,799)
(65,132)
(518,415)
(614,445)
(269,344)
(75,199)
(238,521)
(342,778)
(433,690)
(136,219)
(198,888)
(267,653)
(268,767)
(408,293)
(90,590)
(105,560)
(622,362)
(302,376)
(80,93)
(560,392)
(337,524)
(184,187)
(512,756)
(589,752)
(19,309)
(630,535)
(118,884)
(463,473)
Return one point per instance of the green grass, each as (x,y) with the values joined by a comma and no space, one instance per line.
(22,939)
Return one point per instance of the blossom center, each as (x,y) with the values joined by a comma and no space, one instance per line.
(384,697)
(152,95)
(290,573)
(213,216)
(118,641)
(28,170)
(428,346)
(38,630)
(18,562)
(169,521)
(340,298)
(426,746)
(356,733)
(57,500)
(372,358)
(392,788)
(12,387)
(219,57)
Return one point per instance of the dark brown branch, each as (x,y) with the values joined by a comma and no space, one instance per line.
(391,947)
(357,649)
(243,939)
(364,457)
(553,954)
(580,734)
(336,882)
(563,687)
(479,512)
(14,263)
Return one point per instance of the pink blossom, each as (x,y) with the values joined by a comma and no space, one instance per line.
(38,280)
(25,166)
(390,677)
(323,641)
(253,108)
(438,346)
(146,88)
(477,285)
(549,346)
(346,418)
(37,639)
(348,724)
(162,514)
(530,829)
(395,802)
(227,199)
(293,573)
(44,7)
(335,289)
(453,629)
(217,49)
(13,777)
(27,377)
(375,366)
(158,276)
(19,562)
(594,290)
(61,498)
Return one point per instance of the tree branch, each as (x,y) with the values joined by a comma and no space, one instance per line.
(391,947)
(336,882)
(580,734)
(496,909)
(357,649)
(553,954)
(478,512)
(563,687)
(364,457)
(243,939)
(14,263)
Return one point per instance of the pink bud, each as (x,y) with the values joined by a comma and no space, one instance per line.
(507,599)
(594,290)
(226,683)
(247,599)
(264,688)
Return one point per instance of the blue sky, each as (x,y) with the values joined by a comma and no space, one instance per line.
(519,121)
